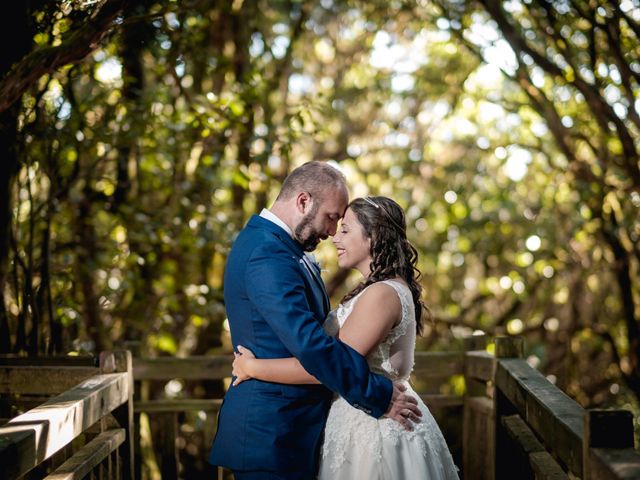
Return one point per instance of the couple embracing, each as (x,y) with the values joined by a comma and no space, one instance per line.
(320,394)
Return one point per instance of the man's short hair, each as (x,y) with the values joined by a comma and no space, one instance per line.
(314,177)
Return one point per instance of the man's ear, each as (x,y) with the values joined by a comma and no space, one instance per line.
(304,202)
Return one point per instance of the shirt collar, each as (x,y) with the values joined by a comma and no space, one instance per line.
(272,217)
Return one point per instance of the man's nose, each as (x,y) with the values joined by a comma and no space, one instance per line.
(333,228)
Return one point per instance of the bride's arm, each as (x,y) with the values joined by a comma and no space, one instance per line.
(375,313)
(277,370)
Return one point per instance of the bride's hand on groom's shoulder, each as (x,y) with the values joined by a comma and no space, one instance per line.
(403,407)
(241,364)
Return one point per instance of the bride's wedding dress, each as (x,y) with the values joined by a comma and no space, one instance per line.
(360,447)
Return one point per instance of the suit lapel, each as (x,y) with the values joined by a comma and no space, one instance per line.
(312,270)
(315,274)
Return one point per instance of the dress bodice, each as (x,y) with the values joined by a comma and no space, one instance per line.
(394,356)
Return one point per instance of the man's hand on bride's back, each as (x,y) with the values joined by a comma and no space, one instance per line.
(403,407)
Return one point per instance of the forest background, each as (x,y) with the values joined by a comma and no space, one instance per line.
(137,137)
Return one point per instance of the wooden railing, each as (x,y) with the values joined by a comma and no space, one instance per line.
(85,429)
(512,422)
(520,425)
(432,372)
(167,410)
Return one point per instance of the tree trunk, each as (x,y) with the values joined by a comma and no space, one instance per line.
(8,169)
(16,14)
(85,273)
(134,37)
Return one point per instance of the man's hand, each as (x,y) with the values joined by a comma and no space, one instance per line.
(403,408)
(241,365)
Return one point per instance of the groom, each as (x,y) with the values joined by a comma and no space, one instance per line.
(276,303)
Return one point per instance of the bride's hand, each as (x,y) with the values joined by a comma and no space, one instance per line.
(241,365)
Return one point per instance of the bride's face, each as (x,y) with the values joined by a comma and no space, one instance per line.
(352,244)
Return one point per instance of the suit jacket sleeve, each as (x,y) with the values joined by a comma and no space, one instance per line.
(275,285)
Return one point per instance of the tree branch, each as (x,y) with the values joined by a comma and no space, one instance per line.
(81,43)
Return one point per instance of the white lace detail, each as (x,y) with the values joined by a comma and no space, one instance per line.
(379,359)
(357,445)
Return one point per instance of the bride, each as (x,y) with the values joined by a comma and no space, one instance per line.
(380,319)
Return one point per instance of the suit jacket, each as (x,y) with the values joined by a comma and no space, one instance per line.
(276,303)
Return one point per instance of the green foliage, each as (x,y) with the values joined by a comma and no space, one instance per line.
(141,164)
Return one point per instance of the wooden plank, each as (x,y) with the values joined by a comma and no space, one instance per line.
(482,405)
(479,365)
(607,445)
(66,361)
(30,438)
(213,405)
(545,467)
(554,417)
(427,365)
(522,434)
(478,438)
(189,368)
(441,401)
(42,380)
(612,464)
(438,364)
(89,456)
(542,464)
(178,405)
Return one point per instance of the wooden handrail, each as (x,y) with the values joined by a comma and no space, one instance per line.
(97,396)
(29,439)
(479,365)
(189,368)
(427,365)
(554,417)
(10,360)
(90,456)
(589,444)
(41,380)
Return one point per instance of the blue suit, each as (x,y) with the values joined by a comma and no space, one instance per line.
(276,304)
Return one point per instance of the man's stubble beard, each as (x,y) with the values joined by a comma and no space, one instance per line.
(308,240)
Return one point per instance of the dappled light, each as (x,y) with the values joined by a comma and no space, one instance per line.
(139,143)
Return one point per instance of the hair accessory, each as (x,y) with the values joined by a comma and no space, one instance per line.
(370,201)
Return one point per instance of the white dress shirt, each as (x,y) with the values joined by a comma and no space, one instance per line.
(272,217)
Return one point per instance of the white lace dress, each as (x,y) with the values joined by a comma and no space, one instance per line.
(360,447)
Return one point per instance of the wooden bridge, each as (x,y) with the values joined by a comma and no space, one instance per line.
(81,418)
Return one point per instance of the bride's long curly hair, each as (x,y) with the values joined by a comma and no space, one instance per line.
(392,255)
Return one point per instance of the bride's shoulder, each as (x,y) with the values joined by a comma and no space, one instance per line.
(380,293)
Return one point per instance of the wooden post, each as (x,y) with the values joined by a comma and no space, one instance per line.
(509,347)
(135,347)
(120,361)
(605,429)
(477,424)
(475,342)
(505,455)
(168,424)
